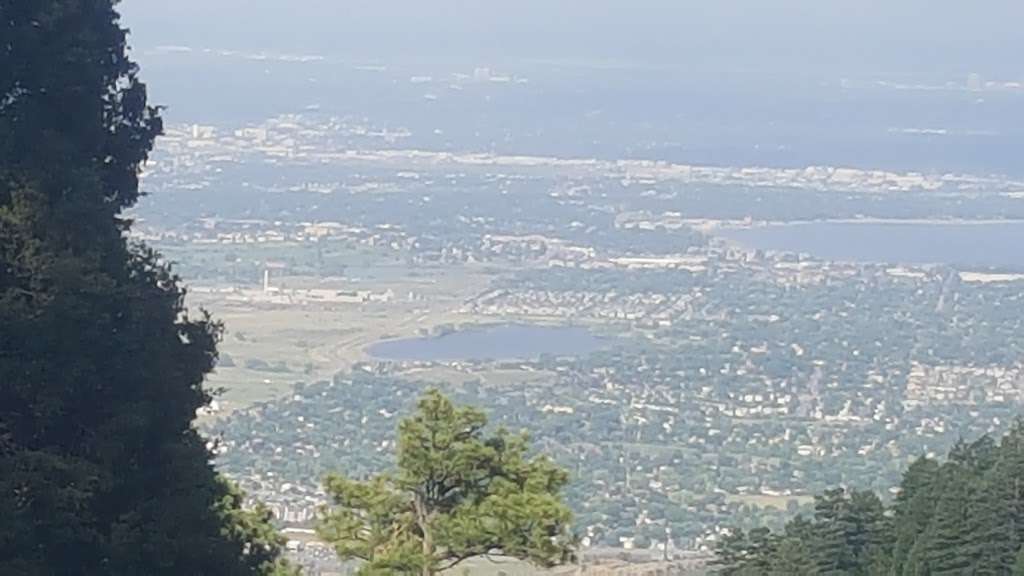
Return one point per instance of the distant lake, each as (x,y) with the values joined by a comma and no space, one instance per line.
(500,342)
(965,245)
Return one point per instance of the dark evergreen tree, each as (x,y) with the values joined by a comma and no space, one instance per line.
(793,552)
(963,517)
(849,532)
(101,368)
(831,553)
(913,510)
(996,507)
(1018,565)
(944,548)
(792,557)
(734,552)
(870,540)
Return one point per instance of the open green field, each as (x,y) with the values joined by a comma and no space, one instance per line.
(491,377)
(764,501)
(270,345)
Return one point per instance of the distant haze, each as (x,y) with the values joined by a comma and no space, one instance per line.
(766,38)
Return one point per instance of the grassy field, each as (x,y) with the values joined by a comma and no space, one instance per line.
(763,501)
(490,377)
(267,347)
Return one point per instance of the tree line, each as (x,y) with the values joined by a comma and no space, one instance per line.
(963,516)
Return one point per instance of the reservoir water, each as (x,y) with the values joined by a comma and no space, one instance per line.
(962,245)
(500,342)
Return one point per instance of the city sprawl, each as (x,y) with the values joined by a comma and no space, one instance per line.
(733,381)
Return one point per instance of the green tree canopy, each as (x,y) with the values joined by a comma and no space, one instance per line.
(458,493)
(964,516)
(101,367)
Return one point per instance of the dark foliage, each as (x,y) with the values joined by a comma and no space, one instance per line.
(101,368)
(965,516)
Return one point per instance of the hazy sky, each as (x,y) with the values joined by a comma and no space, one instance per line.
(944,38)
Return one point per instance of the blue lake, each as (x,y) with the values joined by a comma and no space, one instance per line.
(981,245)
(500,342)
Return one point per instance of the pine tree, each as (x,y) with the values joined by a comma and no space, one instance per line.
(101,368)
(870,540)
(941,549)
(792,557)
(733,553)
(763,550)
(964,517)
(989,545)
(833,556)
(913,511)
(457,494)
(1018,565)
(945,549)
(849,533)
(997,510)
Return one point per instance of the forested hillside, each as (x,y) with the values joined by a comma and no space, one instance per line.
(961,516)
